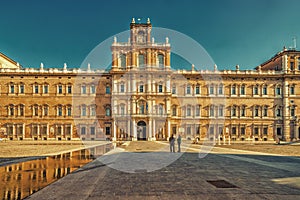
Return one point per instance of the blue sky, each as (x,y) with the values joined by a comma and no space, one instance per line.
(233,32)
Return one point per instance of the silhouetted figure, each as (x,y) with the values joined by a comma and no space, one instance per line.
(179,142)
(172,143)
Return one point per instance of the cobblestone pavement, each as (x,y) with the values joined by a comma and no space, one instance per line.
(222,174)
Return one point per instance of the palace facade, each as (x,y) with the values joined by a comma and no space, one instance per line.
(142,98)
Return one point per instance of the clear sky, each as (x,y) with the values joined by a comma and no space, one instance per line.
(244,32)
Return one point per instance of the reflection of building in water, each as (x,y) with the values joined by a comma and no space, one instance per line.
(141,98)
(22,179)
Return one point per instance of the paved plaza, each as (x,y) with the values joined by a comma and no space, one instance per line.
(223,173)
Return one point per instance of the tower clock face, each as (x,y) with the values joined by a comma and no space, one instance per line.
(141,37)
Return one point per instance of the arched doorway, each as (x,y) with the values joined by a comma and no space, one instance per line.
(141,130)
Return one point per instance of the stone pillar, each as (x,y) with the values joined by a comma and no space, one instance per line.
(169,128)
(114,59)
(167,61)
(149,85)
(168,86)
(128,128)
(153,129)
(150,129)
(134,131)
(114,131)
(133,85)
(148,64)
(286,113)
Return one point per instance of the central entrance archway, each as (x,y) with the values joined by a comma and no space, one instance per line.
(141,130)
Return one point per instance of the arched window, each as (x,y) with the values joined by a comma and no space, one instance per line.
(35,110)
(123,61)
(174,111)
(265,90)
(243,91)
(93,110)
(188,89)
(107,89)
(212,111)
(161,109)
(161,61)
(197,110)
(59,110)
(141,60)
(188,111)
(83,110)
(255,90)
(141,108)
(233,111)
(107,112)
(233,90)
(11,110)
(21,110)
(122,109)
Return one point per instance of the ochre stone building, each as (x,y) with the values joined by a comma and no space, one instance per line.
(142,98)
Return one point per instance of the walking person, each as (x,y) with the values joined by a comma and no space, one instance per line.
(172,143)
(179,142)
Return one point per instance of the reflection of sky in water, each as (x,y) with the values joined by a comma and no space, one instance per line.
(23,179)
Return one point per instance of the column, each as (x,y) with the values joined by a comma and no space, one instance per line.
(168,86)
(285,111)
(149,84)
(23,131)
(115,86)
(134,130)
(150,130)
(169,128)
(133,85)
(153,128)
(114,131)
(128,128)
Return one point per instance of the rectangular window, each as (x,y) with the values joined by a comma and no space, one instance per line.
(69,111)
(107,130)
(292,111)
(22,90)
(59,130)
(107,89)
(243,112)
(211,89)
(83,89)
(46,111)
(93,89)
(243,90)
(68,129)
(221,112)
(83,131)
(36,89)
(292,66)
(278,91)
(220,89)
(141,88)
(83,111)
(278,131)
(59,111)
(278,112)
(12,89)
(188,112)
(122,88)
(46,89)
(211,111)
(265,112)
(242,130)
(197,89)
(233,112)
(256,112)
(188,89)
(160,88)
(93,111)
(256,130)
(255,90)
(69,89)
(265,131)
(60,89)
(233,131)
(265,90)
(292,90)
(174,89)
(197,111)
(92,131)
(174,111)
(233,90)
